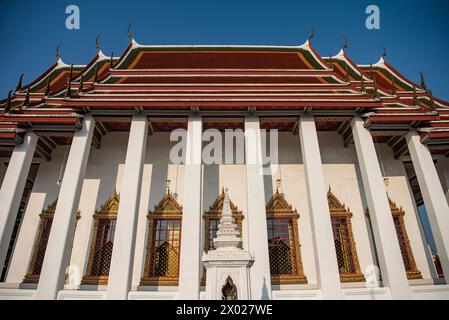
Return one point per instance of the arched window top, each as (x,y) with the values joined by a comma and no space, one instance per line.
(395,211)
(278,205)
(229,290)
(50,211)
(217,207)
(166,206)
(335,206)
(110,207)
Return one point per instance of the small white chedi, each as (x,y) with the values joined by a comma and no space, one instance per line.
(228,264)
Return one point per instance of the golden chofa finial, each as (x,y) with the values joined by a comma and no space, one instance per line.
(423,82)
(345,43)
(129,30)
(167,185)
(97,42)
(19,84)
(278,185)
(57,51)
(311,35)
(384,53)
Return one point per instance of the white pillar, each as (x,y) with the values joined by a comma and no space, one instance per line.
(191,249)
(12,189)
(63,227)
(120,273)
(260,277)
(443,172)
(390,257)
(325,256)
(434,199)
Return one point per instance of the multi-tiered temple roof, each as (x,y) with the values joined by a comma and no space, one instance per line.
(277,81)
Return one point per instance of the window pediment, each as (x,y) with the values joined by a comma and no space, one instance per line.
(278,205)
(110,207)
(167,206)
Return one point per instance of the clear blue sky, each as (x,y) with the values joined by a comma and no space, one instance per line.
(414,32)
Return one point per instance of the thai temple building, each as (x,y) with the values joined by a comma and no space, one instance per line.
(93,205)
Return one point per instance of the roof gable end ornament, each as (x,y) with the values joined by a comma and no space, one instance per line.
(20,83)
(345,43)
(97,42)
(311,35)
(130,35)
(384,53)
(423,82)
(59,62)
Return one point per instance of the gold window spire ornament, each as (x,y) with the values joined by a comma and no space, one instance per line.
(102,242)
(211,220)
(164,243)
(404,242)
(347,259)
(283,242)
(40,244)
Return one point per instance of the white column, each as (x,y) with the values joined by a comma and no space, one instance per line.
(325,256)
(191,250)
(260,277)
(63,227)
(390,257)
(12,189)
(120,273)
(433,195)
(443,172)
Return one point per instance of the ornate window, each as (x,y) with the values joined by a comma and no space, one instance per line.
(283,242)
(40,244)
(404,242)
(348,262)
(102,242)
(211,219)
(164,243)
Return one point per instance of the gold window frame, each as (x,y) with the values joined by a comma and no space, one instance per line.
(167,209)
(399,213)
(49,213)
(108,211)
(279,208)
(339,210)
(214,213)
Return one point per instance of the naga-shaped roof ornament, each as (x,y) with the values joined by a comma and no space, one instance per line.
(311,35)
(129,31)
(423,82)
(97,42)
(384,53)
(57,51)
(8,102)
(19,84)
(345,43)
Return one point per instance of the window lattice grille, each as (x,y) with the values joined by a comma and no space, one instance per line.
(42,246)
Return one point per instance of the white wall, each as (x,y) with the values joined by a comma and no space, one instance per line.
(105,167)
